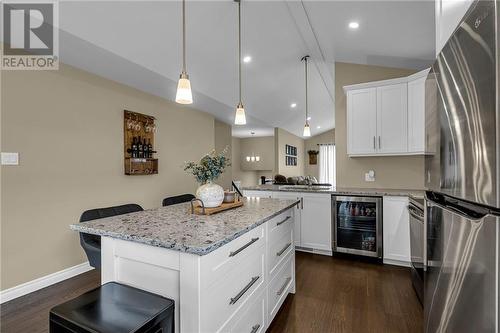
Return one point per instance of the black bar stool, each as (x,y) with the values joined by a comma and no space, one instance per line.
(114,308)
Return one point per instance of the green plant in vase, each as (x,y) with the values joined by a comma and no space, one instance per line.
(206,171)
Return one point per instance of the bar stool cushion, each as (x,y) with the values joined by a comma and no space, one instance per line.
(114,308)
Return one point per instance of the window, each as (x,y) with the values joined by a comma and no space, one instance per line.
(327,164)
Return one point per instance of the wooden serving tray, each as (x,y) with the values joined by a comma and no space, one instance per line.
(199,210)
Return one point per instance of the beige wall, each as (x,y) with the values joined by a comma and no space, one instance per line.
(67,126)
(390,172)
(247,178)
(312,144)
(261,146)
(223,139)
(283,138)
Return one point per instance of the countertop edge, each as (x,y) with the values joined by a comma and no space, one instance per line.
(372,192)
(80,227)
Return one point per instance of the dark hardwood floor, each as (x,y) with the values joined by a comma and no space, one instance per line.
(333,295)
(30,313)
(343,295)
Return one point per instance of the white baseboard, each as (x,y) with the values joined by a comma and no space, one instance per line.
(315,251)
(397,262)
(45,281)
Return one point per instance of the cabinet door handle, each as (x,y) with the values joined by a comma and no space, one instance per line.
(374,145)
(280,252)
(379,144)
(243,291)
(301,203)
(255,328)
(281,222)
(282,289)
(233,253)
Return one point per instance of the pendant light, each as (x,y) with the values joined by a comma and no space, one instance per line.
(184,95)
(307,129)
(240,118)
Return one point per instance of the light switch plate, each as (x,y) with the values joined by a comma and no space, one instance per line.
(370,176)
(10,158)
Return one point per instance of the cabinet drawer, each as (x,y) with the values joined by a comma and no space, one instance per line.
(278,250)
(279,225)
(228,258)
(225,297)
(280,286)
(252,318)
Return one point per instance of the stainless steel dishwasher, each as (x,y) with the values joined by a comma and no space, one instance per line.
(417,240)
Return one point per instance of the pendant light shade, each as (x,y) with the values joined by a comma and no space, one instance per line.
(307,129)
(240,118)
(184,94)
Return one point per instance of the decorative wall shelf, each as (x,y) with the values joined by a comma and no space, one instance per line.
(139,157)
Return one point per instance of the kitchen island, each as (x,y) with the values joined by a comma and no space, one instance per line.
(226,272)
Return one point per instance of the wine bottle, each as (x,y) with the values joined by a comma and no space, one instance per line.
(140,151)
(150,148)
(145,149)
(134,147)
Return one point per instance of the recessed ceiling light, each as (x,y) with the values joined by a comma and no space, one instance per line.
(247,59)
(318,127)
(353,25)
(308,118)
(293,105)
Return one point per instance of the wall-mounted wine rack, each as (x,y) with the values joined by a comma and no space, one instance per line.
(139,158)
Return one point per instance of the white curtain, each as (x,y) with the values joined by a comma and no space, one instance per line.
(327,164)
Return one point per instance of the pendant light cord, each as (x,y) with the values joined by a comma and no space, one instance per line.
(184,36)
(239,45)
(305,66)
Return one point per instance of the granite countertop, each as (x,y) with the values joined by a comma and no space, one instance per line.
(337,190)
(174,227)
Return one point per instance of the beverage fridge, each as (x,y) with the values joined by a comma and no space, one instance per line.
(462,205)
(357,227)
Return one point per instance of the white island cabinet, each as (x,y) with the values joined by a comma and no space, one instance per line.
(228,272)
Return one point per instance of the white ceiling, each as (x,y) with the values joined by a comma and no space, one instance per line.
(138,43)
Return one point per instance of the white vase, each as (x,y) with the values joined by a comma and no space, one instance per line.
(211,194)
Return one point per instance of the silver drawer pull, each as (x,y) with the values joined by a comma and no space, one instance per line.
(282,289)
(283,249)
(243,291)
(255,328)
(233,253)
(281,222)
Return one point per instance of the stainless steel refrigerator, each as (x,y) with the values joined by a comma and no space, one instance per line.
(462,179)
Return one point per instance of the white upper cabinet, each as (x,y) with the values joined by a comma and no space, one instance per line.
(387,117)
(362,121)
(416,116)
(392,119)
(449,13)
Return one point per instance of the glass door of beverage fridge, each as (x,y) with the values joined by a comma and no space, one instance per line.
(357,228)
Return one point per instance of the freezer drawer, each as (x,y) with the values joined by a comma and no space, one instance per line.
(460,270)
